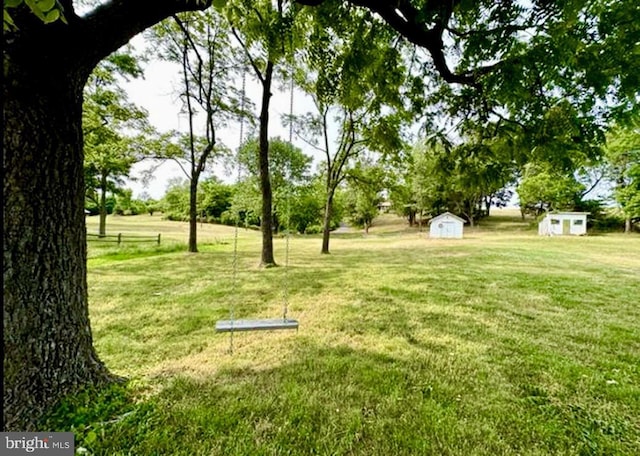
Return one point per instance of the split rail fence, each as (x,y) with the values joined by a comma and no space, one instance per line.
(120,238)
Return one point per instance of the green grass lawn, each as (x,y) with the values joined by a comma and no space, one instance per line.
(503,343)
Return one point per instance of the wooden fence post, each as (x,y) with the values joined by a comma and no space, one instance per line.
(158,238)
(119,238)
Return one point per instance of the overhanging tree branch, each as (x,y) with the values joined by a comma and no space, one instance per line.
(112,24)
(424,28)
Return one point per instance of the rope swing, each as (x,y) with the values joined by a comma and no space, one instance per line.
(232,325)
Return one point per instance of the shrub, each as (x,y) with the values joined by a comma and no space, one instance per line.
(313,229)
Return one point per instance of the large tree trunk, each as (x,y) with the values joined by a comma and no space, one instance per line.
(627,225)
(266,220)
(48,348)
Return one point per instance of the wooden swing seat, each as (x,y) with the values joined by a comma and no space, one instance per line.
(255,325)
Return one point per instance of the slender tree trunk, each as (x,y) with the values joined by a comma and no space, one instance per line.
(102,230)
(326,223)
(627,225)
(48,349)
(193,212)
(266,220)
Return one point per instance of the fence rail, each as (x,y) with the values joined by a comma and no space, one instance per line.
(120,238)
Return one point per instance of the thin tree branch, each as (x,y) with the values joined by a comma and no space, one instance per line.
(252,62)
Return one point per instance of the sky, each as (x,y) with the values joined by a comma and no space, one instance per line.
(156,92)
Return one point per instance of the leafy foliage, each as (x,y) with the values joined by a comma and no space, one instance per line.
(543,188)
(366,183)
(623,158)
(115,130)
(288,170)
(353,69)
(47,11)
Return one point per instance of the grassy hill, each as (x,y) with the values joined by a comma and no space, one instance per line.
(502,343)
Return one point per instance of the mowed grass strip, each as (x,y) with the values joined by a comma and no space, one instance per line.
(500,343)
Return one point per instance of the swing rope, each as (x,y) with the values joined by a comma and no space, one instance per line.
(234,264)
(285,288)
(232,324)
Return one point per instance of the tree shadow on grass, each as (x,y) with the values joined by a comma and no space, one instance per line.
(334,400)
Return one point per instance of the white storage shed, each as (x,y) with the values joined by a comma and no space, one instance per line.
(563,223)
(446,225)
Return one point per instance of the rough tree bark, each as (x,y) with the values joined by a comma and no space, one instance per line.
(48,349)
(47,338)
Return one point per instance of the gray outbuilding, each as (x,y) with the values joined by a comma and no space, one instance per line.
(446,225)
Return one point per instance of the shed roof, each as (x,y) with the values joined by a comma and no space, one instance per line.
(444,214)
(568,213)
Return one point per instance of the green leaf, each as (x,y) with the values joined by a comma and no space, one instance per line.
(35,9)
(52,16)
(8,21)
(46,5)
(12,3)
(91,437)
(219,4)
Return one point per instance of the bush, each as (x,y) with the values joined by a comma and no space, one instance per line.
(313,229)
(608,221)
(176,217)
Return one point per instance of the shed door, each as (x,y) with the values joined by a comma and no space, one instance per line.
(566,227)
(447,229)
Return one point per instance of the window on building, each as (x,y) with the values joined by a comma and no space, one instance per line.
(578,222)
(555,222)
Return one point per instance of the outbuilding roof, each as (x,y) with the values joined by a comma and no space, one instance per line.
(445,214)
(568,213)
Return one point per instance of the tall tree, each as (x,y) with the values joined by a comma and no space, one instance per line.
(364,192)
(216,199)
(264,31)
(427,180)
(347,52)
(108,121)
(199,43)
(478,170)
(543,188)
